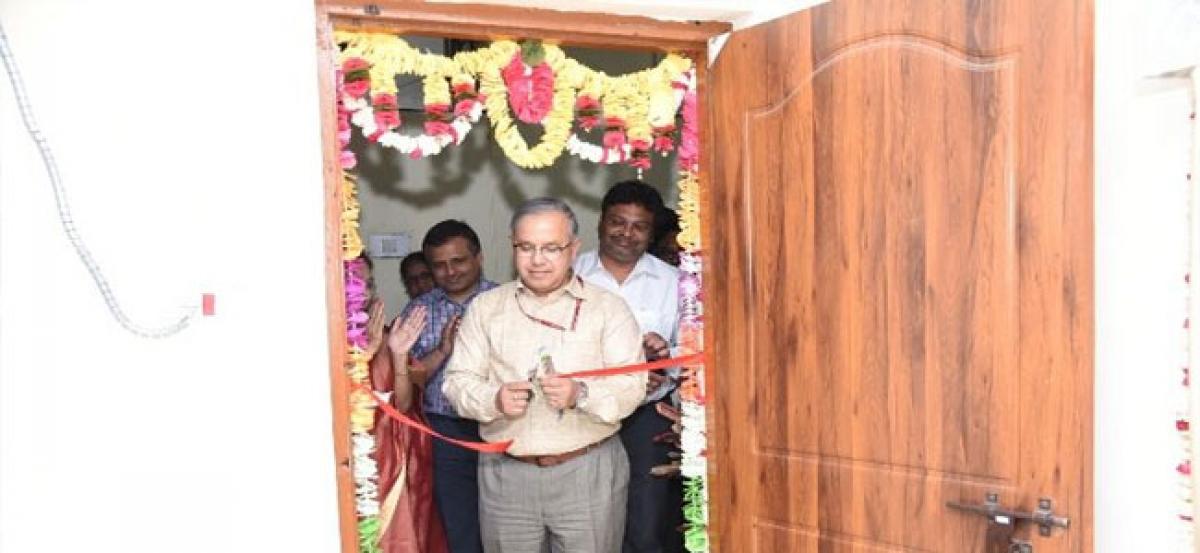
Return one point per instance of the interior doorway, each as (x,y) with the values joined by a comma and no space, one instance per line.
(474,182)
(479,183)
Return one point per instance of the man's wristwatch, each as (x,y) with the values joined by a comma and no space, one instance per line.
(582,395)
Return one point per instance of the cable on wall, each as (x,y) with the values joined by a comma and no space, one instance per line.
(64,210)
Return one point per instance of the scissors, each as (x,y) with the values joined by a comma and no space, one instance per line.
(546,362)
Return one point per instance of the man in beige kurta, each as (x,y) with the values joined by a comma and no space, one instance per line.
(564,479)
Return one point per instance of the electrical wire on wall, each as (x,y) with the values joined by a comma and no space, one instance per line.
(64,210)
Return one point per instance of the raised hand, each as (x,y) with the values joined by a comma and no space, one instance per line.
(374,328)
(449,332)
(405,333)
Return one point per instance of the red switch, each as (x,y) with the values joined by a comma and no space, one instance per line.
(209,304)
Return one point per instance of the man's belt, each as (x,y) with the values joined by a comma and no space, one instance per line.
(557,458)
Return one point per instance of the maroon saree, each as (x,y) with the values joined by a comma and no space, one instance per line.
(409,522)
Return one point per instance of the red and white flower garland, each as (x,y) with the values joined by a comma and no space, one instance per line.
(378,117)
(638,109)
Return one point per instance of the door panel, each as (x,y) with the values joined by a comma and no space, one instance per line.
(904,227)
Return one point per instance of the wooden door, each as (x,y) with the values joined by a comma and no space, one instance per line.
(900,279)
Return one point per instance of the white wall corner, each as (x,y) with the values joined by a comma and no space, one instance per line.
(762,13)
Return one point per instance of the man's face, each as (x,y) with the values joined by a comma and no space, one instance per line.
(417,278)
(455,269)
(625,231)
(543,251)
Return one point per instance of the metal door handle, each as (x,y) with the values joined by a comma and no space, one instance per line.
(1044,516)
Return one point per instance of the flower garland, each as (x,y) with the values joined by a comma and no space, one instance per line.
(663,104)
(638,109)
(556,124)
(530,89)
(693,438)
(362,416)
(379,115)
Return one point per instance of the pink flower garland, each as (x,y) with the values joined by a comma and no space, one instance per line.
(639,153)
(357,296)
(465,98)
(437,121)
(689,140)
(357,77)
(345,157)
(662,139)
(530,90)
(387,114)
(587,112)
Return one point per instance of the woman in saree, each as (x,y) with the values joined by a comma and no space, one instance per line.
(409,521)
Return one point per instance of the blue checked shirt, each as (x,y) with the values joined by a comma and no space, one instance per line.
(441,310)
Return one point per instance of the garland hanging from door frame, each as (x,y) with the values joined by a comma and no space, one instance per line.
(638,111)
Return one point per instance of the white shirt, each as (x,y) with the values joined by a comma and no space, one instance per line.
(652,292)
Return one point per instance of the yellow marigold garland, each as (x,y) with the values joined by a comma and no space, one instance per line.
(352,245)
(689,211)
(638,105)
(557,125)
(390,56)
(364,470)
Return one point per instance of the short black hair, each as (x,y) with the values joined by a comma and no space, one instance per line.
(633,192)
(666,222)
(410,259)
(442,232)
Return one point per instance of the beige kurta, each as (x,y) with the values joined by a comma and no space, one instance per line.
(502,339)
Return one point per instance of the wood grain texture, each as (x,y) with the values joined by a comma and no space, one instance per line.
(335,300)
(903,236)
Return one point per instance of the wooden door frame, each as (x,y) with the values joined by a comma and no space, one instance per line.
(472,22)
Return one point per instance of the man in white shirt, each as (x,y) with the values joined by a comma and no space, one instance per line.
(651,288)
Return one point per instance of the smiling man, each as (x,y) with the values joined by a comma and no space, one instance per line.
(563,481)
(453,252)
(628,219)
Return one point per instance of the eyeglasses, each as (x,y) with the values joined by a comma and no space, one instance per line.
(550,251)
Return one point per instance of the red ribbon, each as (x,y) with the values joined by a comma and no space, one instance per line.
(501,447)
(485,447)
(692,359)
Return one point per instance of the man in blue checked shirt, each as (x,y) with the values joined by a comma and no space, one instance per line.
(453,251)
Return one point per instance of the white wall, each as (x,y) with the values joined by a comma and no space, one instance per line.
(188,137)
(1141,142)
(476,183)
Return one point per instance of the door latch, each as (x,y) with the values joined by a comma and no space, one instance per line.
(1043,516)
(1020,546)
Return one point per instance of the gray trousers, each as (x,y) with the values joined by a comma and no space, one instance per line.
(575,507)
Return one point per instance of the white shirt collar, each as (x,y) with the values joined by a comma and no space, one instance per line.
(589,263)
